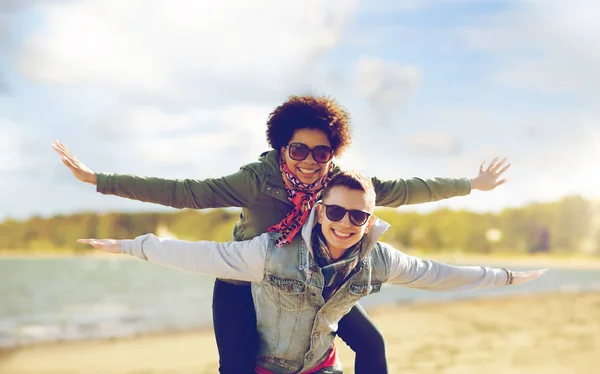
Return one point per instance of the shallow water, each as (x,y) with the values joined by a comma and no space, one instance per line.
(51,299)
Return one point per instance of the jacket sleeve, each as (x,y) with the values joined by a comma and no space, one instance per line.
(413,272)
(243,260)
(236,190)
(394,193)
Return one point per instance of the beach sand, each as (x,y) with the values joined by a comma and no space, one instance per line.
(549,334)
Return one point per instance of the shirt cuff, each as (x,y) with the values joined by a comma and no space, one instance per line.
(465,185)
(134,247)
(501,277)
(105,183)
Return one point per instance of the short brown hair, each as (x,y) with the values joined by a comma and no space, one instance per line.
(354,181)
(307,111)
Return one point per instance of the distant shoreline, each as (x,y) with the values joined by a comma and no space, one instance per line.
(92,253)
(540,260)
(534,261)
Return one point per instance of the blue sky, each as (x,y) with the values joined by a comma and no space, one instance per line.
(182,89)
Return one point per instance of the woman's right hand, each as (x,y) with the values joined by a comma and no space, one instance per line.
(79,170)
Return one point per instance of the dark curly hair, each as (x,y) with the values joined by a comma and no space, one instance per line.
(313,112)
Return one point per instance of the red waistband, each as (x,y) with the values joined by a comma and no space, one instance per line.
(329,361)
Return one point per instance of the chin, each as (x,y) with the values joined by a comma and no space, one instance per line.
(308,180)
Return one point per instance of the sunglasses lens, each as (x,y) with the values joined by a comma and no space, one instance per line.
(298,151)
(358,218)
(322,153)
(334,213)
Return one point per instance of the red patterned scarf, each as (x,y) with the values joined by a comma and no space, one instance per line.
(303,196)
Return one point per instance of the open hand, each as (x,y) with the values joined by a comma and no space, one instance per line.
(522,277)
(79,170)
(107,245)
(489,178)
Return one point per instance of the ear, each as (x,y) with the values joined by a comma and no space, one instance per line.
(320,212)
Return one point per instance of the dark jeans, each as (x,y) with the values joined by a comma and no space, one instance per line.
(234,320)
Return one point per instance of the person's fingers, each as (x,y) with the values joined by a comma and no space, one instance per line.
(70,164)
(66,162)
(522,277)
(93,242)
(500,182)
(481,166)
(65,150)
(498,165)
(62,152)
(501,171)
(540,272)
(492,164)
(59,151)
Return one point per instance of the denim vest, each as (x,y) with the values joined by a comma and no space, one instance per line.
(297,327)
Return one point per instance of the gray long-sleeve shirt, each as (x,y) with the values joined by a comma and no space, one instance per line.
(245,261)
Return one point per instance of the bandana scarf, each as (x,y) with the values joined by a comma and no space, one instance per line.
(303,196)
(335,272)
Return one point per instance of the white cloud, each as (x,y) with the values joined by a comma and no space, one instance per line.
(394,6)
(433,143)
(386,84)
(197,143)
(547,46)
(160,49)
(11,142)
(152,121)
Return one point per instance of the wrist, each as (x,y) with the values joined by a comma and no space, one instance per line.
(92,179)
(474,183)
(509,276)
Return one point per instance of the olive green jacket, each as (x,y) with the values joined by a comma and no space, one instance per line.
(258,188)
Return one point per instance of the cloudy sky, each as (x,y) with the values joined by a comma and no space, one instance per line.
(182,88)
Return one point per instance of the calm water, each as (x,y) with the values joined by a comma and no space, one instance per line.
(82,298)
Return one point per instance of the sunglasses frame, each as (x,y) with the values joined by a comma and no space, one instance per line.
(310,151)
(346,212)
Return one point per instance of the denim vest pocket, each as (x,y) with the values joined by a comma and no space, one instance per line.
(290,293)
(359,289)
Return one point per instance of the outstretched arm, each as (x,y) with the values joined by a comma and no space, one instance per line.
(236,190)
(244,260)
(399,192)
(413,272)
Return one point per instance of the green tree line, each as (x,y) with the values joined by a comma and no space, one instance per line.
(573,224)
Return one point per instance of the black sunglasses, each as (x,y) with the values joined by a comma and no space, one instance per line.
(320,153)
(336,213)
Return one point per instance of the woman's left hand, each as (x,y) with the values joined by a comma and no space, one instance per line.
(489,178)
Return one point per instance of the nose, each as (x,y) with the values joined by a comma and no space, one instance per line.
(309,158)
(346,220)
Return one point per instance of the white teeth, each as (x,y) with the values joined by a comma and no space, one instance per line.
(306,171)
(343,234)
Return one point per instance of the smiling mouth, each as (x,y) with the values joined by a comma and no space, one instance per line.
(341,235)
(308,172)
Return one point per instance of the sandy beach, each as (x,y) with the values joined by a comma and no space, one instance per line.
(555,333)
